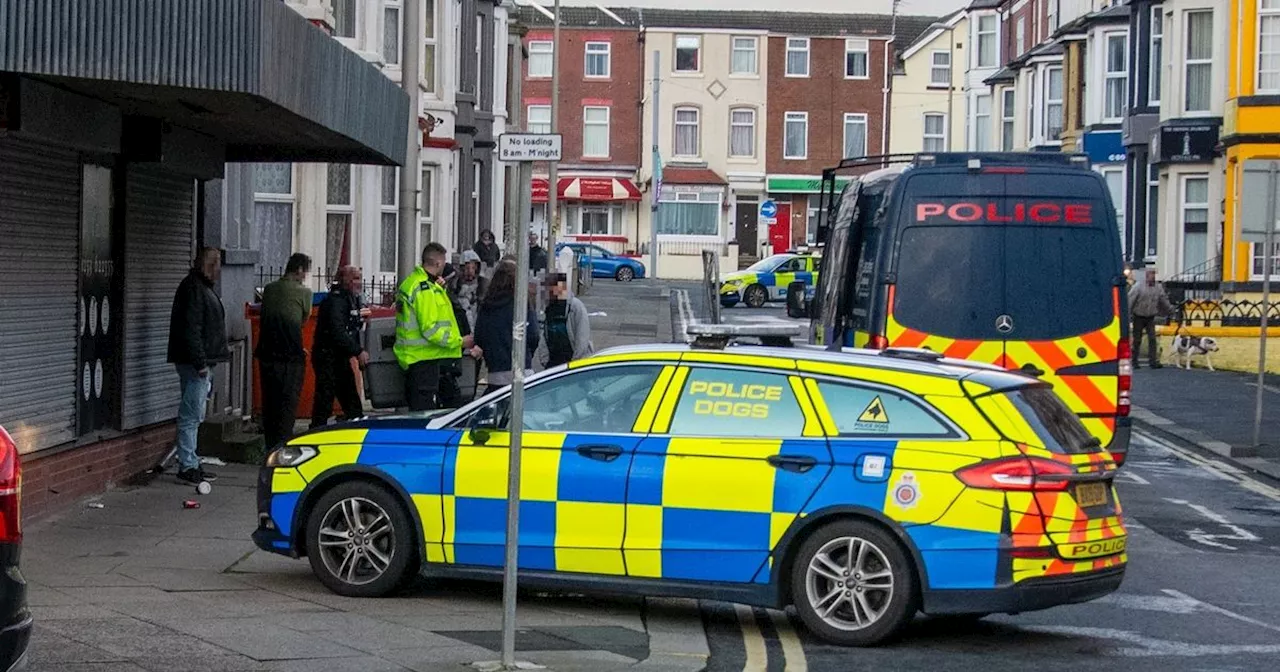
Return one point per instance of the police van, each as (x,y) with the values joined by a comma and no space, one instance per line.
(1011,259)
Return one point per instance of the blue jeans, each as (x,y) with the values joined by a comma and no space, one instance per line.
(195,396)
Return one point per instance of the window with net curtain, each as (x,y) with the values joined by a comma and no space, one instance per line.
(1115,101)
(273,214)
(795,135)
(595,132)
(743,61)
(855,136)
(391,33)
(935,132)
(687,132)
(1268,48)
(344,18)
(1053,103)
(797,56)
(689,214)
(338,218)
(390,220)
(1199,61)
(1195,221)
(429,44)
(742,132)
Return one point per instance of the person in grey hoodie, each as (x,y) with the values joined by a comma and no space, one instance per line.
(566,328)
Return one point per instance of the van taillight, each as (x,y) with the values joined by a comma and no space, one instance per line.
(1016,473)
(10,490)
(1125,379)
(878,342)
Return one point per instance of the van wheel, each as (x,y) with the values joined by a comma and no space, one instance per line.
(360,540)
(755,296)
(853,585)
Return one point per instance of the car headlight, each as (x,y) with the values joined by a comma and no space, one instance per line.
(290,456)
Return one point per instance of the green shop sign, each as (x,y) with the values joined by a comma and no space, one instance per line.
(802,185)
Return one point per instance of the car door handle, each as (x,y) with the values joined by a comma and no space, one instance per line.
(599,451)
(796,463)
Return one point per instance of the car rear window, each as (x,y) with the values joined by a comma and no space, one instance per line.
(1051,420)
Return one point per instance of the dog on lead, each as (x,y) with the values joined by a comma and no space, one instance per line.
(1187,347)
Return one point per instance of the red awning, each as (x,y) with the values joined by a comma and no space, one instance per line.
(672,175)
(587,189)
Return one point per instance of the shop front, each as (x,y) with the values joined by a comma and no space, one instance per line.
(797,198)
(602,210)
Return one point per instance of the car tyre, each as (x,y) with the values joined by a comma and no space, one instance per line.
(377,556)
(755,296)
(625,274)
(884,587)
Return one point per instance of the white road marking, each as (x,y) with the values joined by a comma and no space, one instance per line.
(1200,536)
(1269,388)
(1129,476)
(1217,468)
(1160,603)
(752,640)
(1219,610)
(792,651)
(1145,647)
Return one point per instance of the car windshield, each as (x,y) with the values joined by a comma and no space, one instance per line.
(768,263)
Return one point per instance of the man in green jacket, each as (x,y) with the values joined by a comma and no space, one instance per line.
(427,333)
(286,305)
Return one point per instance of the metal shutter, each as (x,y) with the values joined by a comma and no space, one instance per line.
(39,242)
(158,247)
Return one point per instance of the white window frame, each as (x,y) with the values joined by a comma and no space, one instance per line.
(935,68)
(529,119)
(1049,138)
(392,209)
(1055,20)
(1109,76)
(1033,95)
(543,49)
(983,121)
(1266,12)
(799,45)
(1255,255)
(675,54)
(356,21)
(1184,205)
(389,6)
(608,119)
(788,119)
(857,45)
(1187,62)
(1008,118)
(734,124)
(926,136)
(275,198)
(429,77)
(993,34)
(1155,59)
(735,48)
(854,118)
(1118,202)
(608,59)
(613,213)
(428,182)
(347,209)
(1020,36)
(697,131)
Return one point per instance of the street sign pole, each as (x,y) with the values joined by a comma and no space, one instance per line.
(524,148)
(657,168)
(1268,251)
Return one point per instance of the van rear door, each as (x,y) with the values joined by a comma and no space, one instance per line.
(1016,269)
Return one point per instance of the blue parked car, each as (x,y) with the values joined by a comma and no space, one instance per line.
(605,264)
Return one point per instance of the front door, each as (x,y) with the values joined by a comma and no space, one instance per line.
(780,230)
(708,498)
(578,443)
(747,225)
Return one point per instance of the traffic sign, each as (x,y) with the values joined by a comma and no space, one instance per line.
(517,147)
(769,209)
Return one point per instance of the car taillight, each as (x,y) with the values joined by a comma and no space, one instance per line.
(878,342)
(1016,473)
(10,490)
(1124,352)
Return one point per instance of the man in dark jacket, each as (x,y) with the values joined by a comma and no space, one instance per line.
(338,339)
(282,361)
(197,342)
(537,255)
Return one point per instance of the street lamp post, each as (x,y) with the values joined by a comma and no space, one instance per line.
(553,172)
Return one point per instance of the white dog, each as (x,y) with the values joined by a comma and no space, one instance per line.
(1186,347)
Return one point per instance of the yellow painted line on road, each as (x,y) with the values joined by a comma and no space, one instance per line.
(792,650)
(752,640)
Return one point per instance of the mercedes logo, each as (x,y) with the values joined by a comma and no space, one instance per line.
(1004,324)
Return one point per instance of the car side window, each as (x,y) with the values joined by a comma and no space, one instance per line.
(873,411)
(735,402)
(603,400)
(796,265)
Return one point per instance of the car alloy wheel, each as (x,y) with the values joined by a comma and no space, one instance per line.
(755,296)
(849,583)
(853,584)
(626,274)
(360,540)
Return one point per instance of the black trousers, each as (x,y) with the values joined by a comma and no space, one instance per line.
(334,378)
(422,385)
(1145,326)
(281,387)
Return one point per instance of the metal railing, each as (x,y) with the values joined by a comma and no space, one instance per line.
(688,248)
(1200,282)
(1223,313)
(378,290)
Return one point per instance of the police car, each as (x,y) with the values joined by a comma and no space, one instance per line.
(859,486)
(768,279)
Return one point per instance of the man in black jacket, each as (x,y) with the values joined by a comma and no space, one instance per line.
(338,339)
(197,342)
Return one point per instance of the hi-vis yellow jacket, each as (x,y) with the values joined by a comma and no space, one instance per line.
(425,326)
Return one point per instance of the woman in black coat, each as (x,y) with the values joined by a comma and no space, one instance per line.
(492,330)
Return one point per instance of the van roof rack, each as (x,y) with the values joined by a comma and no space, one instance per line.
(718,336)
(913,354)
(1002,159)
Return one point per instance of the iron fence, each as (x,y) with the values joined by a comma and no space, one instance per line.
(376,290)
(1223,313)
(1198,283)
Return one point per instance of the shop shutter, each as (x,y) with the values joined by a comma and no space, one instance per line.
(158,248)
(39,308)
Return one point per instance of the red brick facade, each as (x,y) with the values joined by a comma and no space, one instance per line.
(621,92)
(56,480)
(826,95)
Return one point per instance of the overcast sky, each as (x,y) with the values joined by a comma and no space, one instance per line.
(924,7)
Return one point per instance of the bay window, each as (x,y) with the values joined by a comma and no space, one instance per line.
(689,213)
(1053,103)
(1116,65)
(339,210)
(988,51)
(390,219)
(1194,218)
(982,123)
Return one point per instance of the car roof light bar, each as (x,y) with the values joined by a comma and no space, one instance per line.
(718,336)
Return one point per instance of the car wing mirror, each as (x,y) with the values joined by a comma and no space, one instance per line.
(483,424)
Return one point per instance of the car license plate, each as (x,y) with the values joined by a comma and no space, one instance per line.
(1091,494)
